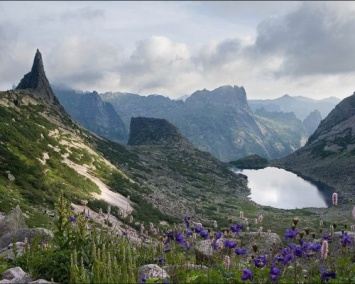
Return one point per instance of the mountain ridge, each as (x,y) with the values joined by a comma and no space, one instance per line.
(218,121)
(329,153)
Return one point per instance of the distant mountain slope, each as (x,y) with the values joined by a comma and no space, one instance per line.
(329,154)
(219,121)
(300,106)
(93,113)
(283,130)
(154,131)
(312,121)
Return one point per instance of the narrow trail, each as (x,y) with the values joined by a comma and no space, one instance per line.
(109,196)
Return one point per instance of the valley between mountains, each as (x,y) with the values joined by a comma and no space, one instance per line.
(158,160)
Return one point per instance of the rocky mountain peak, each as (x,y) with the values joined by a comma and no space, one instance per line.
(339,120)
(231,96)
(154,131)
(311,122)
(37,80)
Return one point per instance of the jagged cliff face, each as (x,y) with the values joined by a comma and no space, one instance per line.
(221,122)
(93,113)
(329,154)
(37,81)
(154,131)
(312,121)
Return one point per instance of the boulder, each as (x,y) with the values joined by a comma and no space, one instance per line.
(266,242)
(16,275)
(172,269)
(20,235)
(41,281)
(151,271)
(9,253)
(13,221)
(204,252)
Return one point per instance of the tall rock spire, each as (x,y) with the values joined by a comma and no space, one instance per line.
(37,80)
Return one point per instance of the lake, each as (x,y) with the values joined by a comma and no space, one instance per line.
(282,189)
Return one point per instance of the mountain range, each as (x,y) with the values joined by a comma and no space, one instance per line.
(222,122)
(300,106)
(160,175)
(44,152)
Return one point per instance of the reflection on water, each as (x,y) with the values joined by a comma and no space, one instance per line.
(282,189)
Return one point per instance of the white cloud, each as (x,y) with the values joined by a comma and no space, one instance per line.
(176,48)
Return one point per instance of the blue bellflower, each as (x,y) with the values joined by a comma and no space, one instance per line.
(198,228)
(274,273)
(218,235)
(326,275)
(260,261)
(230,244)
(204,234)
(179,238)
(247,275)
(72,219)
(345,239)
(291,234)
(240,251)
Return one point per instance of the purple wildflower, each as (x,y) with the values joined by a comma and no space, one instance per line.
(260,261)
(274,273)
(167,248)
(304,245)
(218,235)
(204,234)
(198,228)
(345,239)
(247,275)
(298,251)
(235,228)
(230,244)
(326,274)
(315,247)
(326,237)
(285,257)
(240,251)
(188,233)
(72,219)
(160,260)
(179,238)
(144,278)
(291,234)
(170,235)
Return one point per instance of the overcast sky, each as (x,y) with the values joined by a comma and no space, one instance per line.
(175,48)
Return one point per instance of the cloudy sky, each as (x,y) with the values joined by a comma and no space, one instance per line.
(175,48)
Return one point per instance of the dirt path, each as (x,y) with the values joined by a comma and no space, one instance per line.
(109,196)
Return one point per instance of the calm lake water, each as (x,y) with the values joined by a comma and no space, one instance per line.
(282,189)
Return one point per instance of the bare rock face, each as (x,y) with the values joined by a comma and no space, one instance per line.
(154,131)
(15,275)
(25,233)
(266,242)
(151,271)
(311,122)
(204,252)
(13,221)
(37,80)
